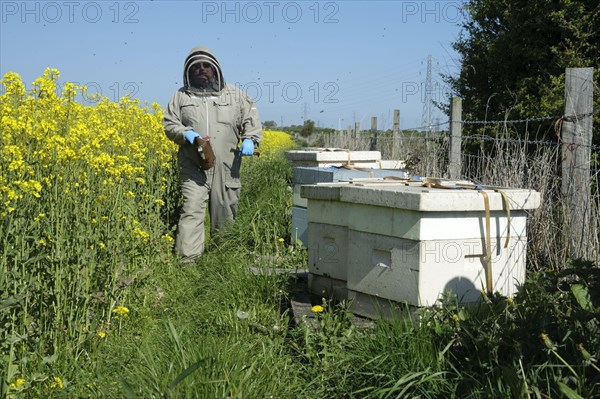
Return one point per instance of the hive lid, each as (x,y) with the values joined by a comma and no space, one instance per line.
(333,155)
(310,175)
(414,196)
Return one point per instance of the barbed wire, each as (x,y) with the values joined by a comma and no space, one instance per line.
(575,117)
(480,137)
(512,121)
(428,127)
(558,120)
(366,136)
(567,118)
(594,171)
(408,138)
(436,135)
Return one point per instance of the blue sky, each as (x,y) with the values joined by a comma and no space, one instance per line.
(334,61)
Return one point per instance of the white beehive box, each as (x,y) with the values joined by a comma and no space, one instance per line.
(408,244)
(331,166)
(324,157)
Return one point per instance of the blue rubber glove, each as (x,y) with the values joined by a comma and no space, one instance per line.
(247,147)
(190,136)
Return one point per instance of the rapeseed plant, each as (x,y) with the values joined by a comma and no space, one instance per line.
(65,217)
(274,142)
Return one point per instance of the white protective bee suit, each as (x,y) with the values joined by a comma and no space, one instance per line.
(226,115)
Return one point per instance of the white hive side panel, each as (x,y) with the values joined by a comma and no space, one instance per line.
(472,224)
(299,224)
(382,266)
(459,267)
(328,212)
(419,272)
(328,250)
(297,199)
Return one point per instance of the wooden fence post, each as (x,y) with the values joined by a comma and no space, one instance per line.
(395,133)
(576,138)
(373,146)
(454,146)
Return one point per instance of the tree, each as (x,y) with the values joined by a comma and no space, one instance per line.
(308,128)
(269,125)
(514,54)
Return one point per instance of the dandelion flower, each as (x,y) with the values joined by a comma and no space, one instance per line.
(57,383)
(242,315)
(547,341)
(121,311)
(19,382)
(586,355)
(317,309)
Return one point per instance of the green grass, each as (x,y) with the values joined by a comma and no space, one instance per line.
(216,330)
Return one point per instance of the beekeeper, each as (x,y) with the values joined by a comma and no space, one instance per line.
(208,118)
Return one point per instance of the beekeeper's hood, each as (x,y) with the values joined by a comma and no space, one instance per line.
(197,55)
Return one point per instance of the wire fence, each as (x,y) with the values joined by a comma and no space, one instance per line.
(508,153)
(511,121)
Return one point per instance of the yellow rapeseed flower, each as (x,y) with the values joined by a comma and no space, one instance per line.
(101,334)
(141,234)
(13,84)
(274,142)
